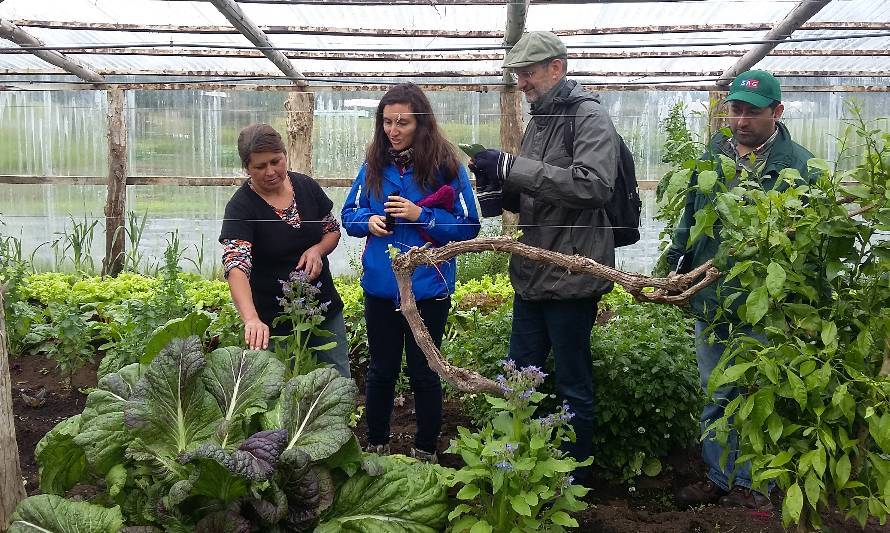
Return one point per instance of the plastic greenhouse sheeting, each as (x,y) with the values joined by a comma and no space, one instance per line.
(332,23)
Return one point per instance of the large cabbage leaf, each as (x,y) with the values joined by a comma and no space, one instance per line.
(405,498)
(243,383)
(102,434)
(255,459)
(315,409)
(302,486)
(62,462)
(48,513)
(192,324)
(170,408)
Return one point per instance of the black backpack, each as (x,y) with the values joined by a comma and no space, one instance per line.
(625,205)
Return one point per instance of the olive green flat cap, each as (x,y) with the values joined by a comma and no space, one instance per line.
(534,47)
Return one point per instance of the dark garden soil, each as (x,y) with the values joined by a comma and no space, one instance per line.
(613,508)
(41,399)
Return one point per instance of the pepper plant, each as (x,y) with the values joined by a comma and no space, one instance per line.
(808,263)
(515,477)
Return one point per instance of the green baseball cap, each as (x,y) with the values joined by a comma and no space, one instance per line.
(534,47)
(756,87)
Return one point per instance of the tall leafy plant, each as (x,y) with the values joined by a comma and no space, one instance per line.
(811,268)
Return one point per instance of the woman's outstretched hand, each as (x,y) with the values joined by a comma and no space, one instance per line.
(256,334)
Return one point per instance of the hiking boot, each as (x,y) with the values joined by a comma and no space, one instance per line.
(750,499)
(700,493)
(379,449)
(424,457)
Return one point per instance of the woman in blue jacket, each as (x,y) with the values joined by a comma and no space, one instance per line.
(410,191)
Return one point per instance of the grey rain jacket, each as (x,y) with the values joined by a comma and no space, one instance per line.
(561,197)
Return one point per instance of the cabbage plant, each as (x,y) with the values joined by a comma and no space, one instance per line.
(217,442)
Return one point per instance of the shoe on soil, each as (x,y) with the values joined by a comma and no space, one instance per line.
(750,499)
(424,457)
(379,449)
(700,493)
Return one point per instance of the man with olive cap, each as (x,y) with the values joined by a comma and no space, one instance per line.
(559,195)
(761,148)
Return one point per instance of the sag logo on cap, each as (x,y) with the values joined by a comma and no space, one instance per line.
(751,84)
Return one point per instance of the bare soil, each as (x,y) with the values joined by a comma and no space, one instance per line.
(63,398)
(613,508)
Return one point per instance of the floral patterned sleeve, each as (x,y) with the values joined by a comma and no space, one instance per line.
(236,254)
(329,224)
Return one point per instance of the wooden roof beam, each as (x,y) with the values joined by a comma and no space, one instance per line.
(456,56)
(436,2)
(6,85)
(239,20)
(516,14)
(419,32)
(801,13)
(453,75)
(13,33)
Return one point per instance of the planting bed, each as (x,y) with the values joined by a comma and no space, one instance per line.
(613,509)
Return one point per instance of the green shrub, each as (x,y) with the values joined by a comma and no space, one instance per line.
(646,385)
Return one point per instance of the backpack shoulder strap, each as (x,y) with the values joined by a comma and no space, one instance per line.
(568,129)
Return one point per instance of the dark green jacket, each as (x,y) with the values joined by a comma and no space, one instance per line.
(784,153)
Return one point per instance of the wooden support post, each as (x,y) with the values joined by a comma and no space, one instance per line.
(511,138)
(716,112)
(12,491)
(781,31)
(116,202)
(300,108)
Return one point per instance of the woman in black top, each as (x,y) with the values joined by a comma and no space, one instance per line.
(276,223)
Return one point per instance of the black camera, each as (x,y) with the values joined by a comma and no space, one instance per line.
(391,220)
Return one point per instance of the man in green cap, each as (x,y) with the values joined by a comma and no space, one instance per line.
(559,192)
(761,147)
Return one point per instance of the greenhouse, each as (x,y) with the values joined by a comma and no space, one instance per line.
(125,348)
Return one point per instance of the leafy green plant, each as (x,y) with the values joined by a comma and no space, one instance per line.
(811,276)
(304,314)
(79,242)
(65,336)
(680,149)
(134,229)
(186,441)
(48,512)
(351,293)
(515,477)
(13,269)
(478,265)
(647,392)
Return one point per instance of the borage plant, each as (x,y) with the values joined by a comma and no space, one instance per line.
(515,477)
(302,310)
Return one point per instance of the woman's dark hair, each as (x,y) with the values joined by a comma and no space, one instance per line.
(258,138)
(435,161)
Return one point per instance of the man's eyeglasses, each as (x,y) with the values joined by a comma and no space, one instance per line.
(525,74)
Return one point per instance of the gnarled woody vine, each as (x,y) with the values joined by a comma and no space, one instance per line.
(674,290)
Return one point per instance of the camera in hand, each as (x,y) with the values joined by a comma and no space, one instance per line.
(391,220)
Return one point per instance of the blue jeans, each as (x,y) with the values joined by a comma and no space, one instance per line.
(338,356)
(563,326)
(708,356)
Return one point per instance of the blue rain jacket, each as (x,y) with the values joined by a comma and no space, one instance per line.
(459,224)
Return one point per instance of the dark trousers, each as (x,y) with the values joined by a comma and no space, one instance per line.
(388,336)
(563,326)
